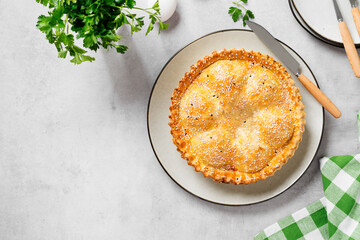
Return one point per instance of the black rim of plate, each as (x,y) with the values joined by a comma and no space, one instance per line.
(312,32)
(152,146)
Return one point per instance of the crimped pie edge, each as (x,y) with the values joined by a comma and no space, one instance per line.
(226,176)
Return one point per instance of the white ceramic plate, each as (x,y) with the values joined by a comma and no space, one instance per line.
(185,175)
(308,29)
(320,17)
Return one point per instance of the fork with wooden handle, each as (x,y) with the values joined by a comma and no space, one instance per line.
(356,15)
(348,42)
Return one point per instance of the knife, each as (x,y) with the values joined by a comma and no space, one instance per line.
(348,42)
(356,15)
(294,67)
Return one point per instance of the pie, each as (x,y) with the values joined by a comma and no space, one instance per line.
(237,116)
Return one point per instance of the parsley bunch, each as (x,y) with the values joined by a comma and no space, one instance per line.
(93,21)
(239,10)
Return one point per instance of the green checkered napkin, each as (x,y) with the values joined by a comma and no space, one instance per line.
(335,216)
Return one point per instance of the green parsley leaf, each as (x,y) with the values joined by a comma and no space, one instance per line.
(130,3)
(163,26)
(85,58)
(245,17)
(235,13)
(250,13)
(62,54)
(121,48)
(90,40)
(156,6)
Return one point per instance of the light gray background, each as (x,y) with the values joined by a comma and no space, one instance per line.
(75,159)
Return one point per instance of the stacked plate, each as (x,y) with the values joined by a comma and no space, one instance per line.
(319,19)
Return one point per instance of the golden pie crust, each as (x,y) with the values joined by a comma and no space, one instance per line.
(237,116)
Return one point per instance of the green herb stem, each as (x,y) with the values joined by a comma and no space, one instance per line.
(240,5)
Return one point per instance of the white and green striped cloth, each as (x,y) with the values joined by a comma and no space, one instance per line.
(335,216)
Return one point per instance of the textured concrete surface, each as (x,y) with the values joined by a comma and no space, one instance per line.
(75,159)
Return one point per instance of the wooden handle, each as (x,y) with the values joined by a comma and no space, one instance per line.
(320,96)
(356,15)
(350,48)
